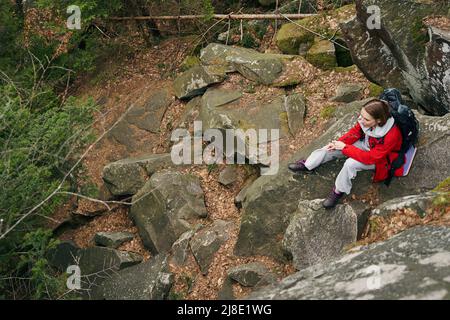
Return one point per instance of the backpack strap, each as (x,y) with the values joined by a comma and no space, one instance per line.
(396,164)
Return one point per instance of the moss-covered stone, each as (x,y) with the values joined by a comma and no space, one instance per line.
(346,69)
(404,53)
(195,80)
(443,199)
(189,62)
(375,90)
(298,37)
(288,82)
(290,37)
(322,55)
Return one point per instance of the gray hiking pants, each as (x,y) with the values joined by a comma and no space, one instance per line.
(349,170)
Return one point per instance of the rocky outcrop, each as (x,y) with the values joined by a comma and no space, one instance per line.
(142,120)
(93,262)
(164,208)
(207,242)
(195,80)
(97,260)
(148,116)
(414,58)
(322,54)
(259,67)
(314,235)
(348,92)
(150,280)
(228,176)
(299,36)
(419,203)
(112,239)
(412,265)
(181,248)
(63,255)
(271,200)
(252,275)
(127,176)
(221,109)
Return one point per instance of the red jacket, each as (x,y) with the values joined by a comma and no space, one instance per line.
(382,150)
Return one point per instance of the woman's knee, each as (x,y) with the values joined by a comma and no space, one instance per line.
(353,164)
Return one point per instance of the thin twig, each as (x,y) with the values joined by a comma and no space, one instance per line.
(229,30)
(101,31)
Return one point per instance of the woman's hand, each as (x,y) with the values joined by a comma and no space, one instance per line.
(330,146)
(338,145)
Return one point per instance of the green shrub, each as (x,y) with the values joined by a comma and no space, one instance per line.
(248,41)
(35,155)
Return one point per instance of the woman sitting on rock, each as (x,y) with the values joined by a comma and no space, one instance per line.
(370,145)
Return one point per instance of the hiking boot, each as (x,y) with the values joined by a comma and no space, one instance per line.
(299,166)
(332,199)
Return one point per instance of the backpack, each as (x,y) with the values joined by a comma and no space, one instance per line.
(408,125)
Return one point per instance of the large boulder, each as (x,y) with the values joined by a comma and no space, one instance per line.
(148,116)
(295,106)
(228,176)
(271,200)
(299,36)
(292,39)
(322,54)
(252,275)
(190,113)
(112,239)
(412,265)
(282,113)
(309,6)
(166,207)
(97,260)
(348,92)
(127,176)
(95,264)
(194,81)
(63,255)
(150,280)
(181,249)
(414,57)
(314,235)
(142,121)
(208,241)
(259,67)
(221,109)
(419,203)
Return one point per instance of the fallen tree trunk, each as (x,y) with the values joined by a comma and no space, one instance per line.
(220,16)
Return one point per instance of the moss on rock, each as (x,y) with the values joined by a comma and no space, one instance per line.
(189,62)
(322,55)
(291,37)
(375,90)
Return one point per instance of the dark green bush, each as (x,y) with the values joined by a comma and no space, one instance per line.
(42,136)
